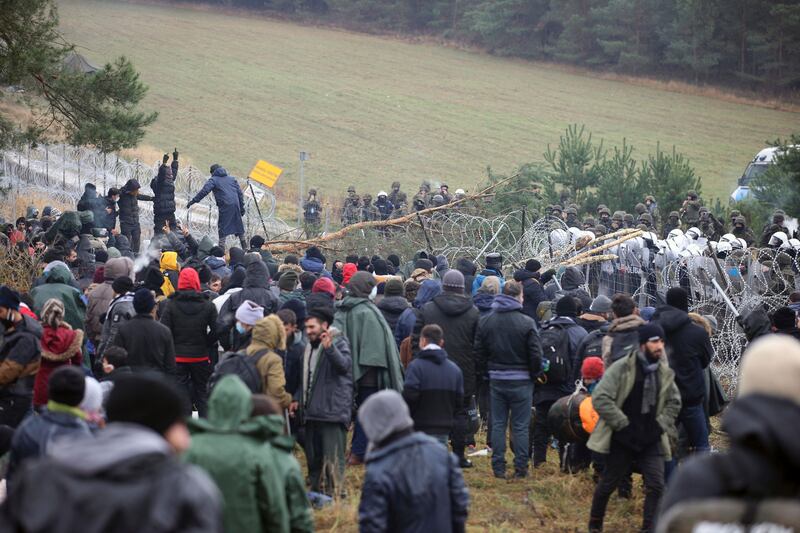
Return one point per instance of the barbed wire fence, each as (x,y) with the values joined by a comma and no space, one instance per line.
(57,173)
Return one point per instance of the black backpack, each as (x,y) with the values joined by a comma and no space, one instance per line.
(242,365)
(555,348)
(593,344)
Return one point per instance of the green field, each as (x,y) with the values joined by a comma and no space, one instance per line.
(370,110)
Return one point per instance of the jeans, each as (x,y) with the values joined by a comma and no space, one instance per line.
(514,397)
(441,438)
(134,236)
(193,378)
(693,418)
(358,447)
(617,467)
(541,434)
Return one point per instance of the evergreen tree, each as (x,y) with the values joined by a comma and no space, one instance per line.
(779,186)
(668,177)
(576,163)
(691,37)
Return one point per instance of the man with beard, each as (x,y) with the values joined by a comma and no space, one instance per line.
(637,401)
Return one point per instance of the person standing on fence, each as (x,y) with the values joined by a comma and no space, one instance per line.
(163,186)
(128,206)
(230,202)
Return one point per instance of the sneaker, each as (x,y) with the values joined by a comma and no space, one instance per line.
(464,463)
(520,474)
(500,475)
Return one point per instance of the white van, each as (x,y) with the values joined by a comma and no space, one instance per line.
(756,167)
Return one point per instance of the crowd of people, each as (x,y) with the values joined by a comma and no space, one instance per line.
(117,361)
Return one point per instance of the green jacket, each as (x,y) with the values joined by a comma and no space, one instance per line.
(372,343)
(611,393)
(57,285)
(250,461)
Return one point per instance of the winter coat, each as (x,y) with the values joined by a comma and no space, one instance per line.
(266,257)
(483,302)
(391,307)
(120,310)
(689,352)
(329,397)
(410,321)
(192,320)
(622,337)
(100,297)
(611,392)
(762,461)
(34,436)
(314,265)
(107,220)
(122,244)
(261,483)
(60,346)
(458,318)
(591,322)
(148,343)
(255,289)
(548,392)
(94,204)
(478,281)
(57,285)
(371,342)
(532,292)
(434,391)
(160,494)
(293,362)
(163,186)
(66,227)
(508,339)
(413,485)
(128,205)
(229,199)
(266,338)
(20,355)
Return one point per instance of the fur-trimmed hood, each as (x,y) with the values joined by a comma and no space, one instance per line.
(61,343)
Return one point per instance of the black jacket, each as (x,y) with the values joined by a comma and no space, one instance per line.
(20,355)
(107,220)
(763,460)
(456,315)
(128,205)
(163,186)
(532,292)
(434,391)
(256,289)
(508,339)
(391,307)
(689,352)
(148,343)
(192,319)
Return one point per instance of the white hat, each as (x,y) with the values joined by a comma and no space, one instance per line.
(460,191)
(382,193)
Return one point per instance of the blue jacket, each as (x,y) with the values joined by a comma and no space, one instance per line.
(217,266)
(413,485)
(486,272)
(230,201)
(429,289)
(315,266)
(434,391)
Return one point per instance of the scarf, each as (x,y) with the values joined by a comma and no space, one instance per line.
(650,392)
(311,358)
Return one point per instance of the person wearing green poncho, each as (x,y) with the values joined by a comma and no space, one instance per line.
(376,361)
(251,463)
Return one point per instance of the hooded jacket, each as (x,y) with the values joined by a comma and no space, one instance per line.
(20,356)
(57,285)
(483,302)
(161,494)
(329,396)
(392,307)
(123,245)
(261,483)
(763,460)
(622,337)
(229,199)
(434,391)
(689,352)
(149,344)
(268,335)
(256,289)
(163,186)
(410,321)
(60,346)
(100,297)
(458,318)
(532,292)
(507,339)
(128,205)
(192,319)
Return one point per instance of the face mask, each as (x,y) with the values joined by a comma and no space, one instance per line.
(240,328)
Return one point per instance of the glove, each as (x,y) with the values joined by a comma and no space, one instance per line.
(175,154)
(190,204)
(165,158)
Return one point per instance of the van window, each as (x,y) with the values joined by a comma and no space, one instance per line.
(751,172)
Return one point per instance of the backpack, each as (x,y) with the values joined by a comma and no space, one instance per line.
(555,348)
(593,344)
(242,365)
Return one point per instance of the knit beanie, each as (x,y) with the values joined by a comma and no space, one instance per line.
(361,284)
(143,301)
(650,331)
(592,368)
(601,304)
(67,385)
(188,280)
(566,306)
(100,256)
(394,259)
(324,285)
(288,281)
(381,267)
(145,399)
(122,285)
(257,241)
(383,414)
(771,366)
(9,298)
(453,281)
(393,287)
(424,264)
(646,313)
(249,313)
(99,275)
(113,253)
(53,313)
(679,298)
(532,265)
(784,318)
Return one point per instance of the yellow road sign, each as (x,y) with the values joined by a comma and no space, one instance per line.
(265,173)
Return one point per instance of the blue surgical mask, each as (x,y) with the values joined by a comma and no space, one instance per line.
(240,328)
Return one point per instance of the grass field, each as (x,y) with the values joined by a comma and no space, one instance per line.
(233,89)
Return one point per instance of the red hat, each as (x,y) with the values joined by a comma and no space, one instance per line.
(347,272)
(592,368)
(189,280)
(324,285)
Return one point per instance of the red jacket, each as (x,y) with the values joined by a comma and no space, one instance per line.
(60,346)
